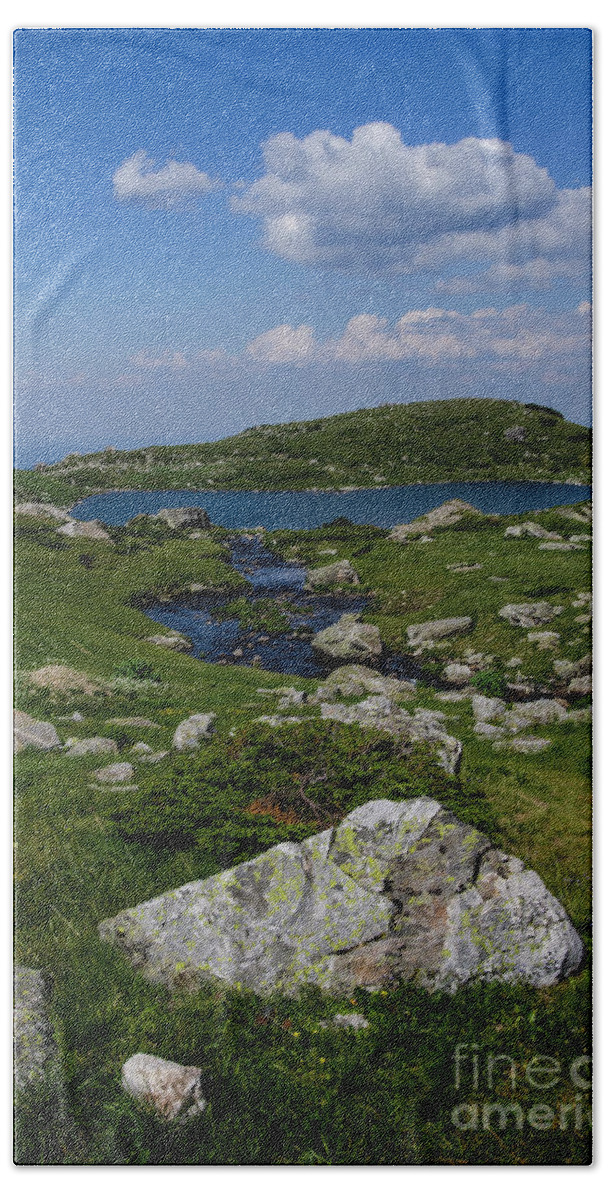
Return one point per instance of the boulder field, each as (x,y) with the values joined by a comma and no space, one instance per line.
(397,891)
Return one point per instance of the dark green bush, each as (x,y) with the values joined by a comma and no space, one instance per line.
(138,669)
(239,796)
(490,682)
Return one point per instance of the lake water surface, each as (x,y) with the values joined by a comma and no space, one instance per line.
(307,510)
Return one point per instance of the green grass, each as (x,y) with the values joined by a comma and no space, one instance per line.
(281,1088)
(393,444)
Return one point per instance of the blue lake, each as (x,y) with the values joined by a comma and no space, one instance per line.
(307,510)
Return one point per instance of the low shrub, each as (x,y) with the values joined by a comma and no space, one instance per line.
(240,796)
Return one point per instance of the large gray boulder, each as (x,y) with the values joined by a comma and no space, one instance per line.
(172,1091)
(349,638)
(334,572)
(185,518)
(433,631)
(528,616)
(190,733)
(446,514)
(397,891)
(33,734)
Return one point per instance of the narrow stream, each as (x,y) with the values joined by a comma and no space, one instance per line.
(219,637)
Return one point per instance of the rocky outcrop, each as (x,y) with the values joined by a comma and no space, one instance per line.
(397,891)
(190,733)
(531,529)
(424,725)
(33,734)
(335,572)
(171,641)
(185,518)
(93,530)
(527,616)
(434,631)
(172,1092)
(458,673)
(350,639)
(446,514)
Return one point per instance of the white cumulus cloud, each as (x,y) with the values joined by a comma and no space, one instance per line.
(375,203)
(137,182)
(284,344)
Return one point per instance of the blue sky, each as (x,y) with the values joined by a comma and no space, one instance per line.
(221,228)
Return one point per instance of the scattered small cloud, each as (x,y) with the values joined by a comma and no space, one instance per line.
(137,182)
(152,361)
(285,345)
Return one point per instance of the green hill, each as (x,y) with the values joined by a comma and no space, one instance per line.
(427,442)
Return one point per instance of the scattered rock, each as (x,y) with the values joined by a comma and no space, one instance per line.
(397,891)
(33,734)
(92,745)
(172,1091)
(581,686)
(350,1020)
(185,518)
(154,758)
(135,722)
(77,716)
(527,616)
(462,568)
(541,712)
(275,721)
(487,708)
(335,572)
(446,514)
(580,537)
(457,673)
(35,508)
(516,433)
(546,639)
(529,745)
(171,641)
(292,698)
(141,748)
(238,653)
(349,638)
(93,530)
(190,733)
(58,678)
(483,729)
(531,529)
(380,712)
(435,630)
(584,619)
(559,546)
(116,773)
(514,662)
(356,680)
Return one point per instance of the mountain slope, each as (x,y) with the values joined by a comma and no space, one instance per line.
(426,442)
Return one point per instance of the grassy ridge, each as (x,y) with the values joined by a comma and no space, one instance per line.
(390,445)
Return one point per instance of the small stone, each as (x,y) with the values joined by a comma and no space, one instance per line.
(529,745)
(483,729)
(582,686)
(527,616)
(514,662)
(545,639)
(238,653)
(335,572)
(77,716)
(487,708)
(191,732)
(33,734)
(558,546)
(171,1090)
(141,748)
(154,758)
(170,641)
(116,773)
(445,627)
(584,619)
(457,673)
(93,745)
(350,1020)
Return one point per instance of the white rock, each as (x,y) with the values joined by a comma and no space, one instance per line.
(191,732)
(115,773)
(37,735)
(487,708)
(350,1020)
(171,1090)
(581,686)
(457,673)
(93,745)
